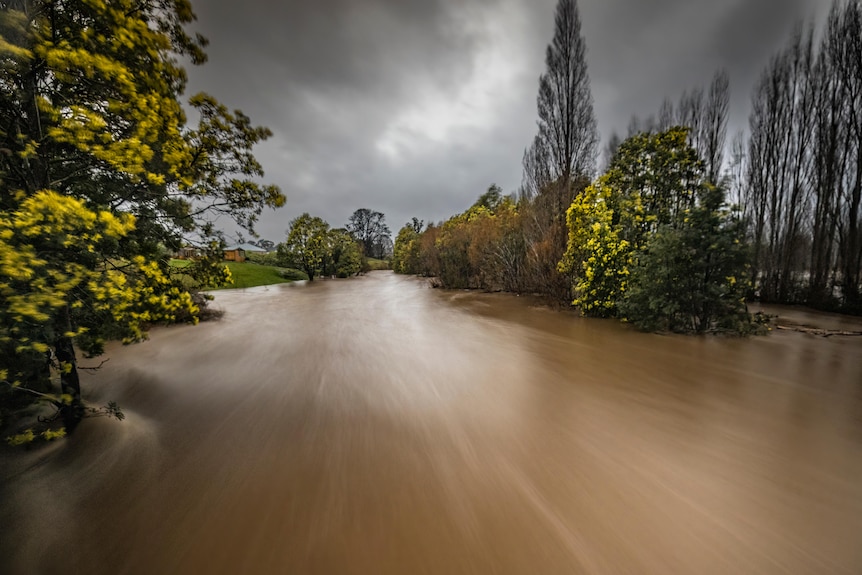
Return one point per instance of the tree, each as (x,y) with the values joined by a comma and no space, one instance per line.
(370,229)
(558,163)
(567,124)
(836,250)
(469,250)
(405,253)
(692,277)
(536,169)
(803,185)
(653,178)
(705,118)
(779,167)
(100,174)
(653,240)
(416,224)
(265,244)
(343,254)
(610,150)
(306,246)
(714,125)
(597,256)
(491,199)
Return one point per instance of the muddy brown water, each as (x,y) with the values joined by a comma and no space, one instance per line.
(377,426)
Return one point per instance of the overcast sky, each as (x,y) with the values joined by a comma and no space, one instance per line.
(414,107)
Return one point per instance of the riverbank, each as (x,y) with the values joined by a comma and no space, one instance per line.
(804,317)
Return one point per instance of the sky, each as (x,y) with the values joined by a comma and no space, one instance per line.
(415,107)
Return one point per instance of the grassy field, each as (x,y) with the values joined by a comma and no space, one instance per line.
(246,274)
(376,264)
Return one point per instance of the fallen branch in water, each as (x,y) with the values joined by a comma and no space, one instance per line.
(96,368)
(818,331)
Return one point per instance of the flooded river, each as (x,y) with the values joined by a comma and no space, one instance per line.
(376,426)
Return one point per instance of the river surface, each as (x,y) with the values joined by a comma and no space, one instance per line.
(377,426)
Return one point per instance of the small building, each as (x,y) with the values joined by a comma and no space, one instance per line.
(239,252)
(188,253)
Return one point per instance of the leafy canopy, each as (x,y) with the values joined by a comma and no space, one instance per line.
(653,241)
(306,244)
(102,176)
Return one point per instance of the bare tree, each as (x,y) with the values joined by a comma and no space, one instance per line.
(736,175)
(369,228)
(639,126)
(537,169)
(558,162)
(803,193)
(665,115)
(779,168)
(610,150)
(836,247)
(714,125)
(704,116)
(689,113)
(567,124)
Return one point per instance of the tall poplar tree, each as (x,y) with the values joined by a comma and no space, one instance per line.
(567,124)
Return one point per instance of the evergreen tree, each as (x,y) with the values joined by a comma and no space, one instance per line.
(692,277)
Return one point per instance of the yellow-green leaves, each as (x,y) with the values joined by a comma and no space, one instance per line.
(651,240)
(121,78)
(596,255)
(14,37)
(37,279)
(100,176)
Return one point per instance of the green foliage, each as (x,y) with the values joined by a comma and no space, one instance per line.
(249,274)
(314,248)
(267,259)
(652,241)
(597,257)
(491,200)
(293,275)
(375,264)
(100,175)
(306,245)
(466,249)
(692,277)
(47,267)
(343,254)
(649,183)
(405,253)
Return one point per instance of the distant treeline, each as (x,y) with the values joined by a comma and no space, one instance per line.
(654,239)
(312,246)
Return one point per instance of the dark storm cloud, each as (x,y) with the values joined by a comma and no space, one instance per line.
(640,52)
(415,107)
(329,78)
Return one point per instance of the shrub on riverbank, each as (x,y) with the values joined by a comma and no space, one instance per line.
(651,242)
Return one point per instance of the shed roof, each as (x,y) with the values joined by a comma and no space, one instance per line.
(245,248)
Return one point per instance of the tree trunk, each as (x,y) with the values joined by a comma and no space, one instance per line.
(70,383)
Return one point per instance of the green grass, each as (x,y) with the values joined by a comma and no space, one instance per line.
(375,264)
(246,274)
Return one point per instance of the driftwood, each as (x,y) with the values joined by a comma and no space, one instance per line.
(818,331)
